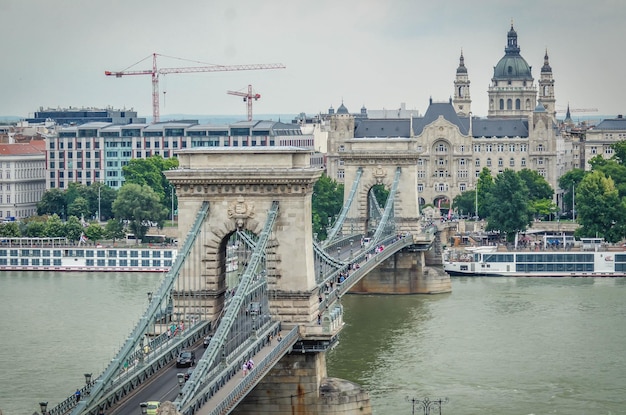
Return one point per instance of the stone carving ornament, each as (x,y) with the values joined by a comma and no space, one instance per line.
(240,210)
(379,174)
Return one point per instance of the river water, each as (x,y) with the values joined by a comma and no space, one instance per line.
(492,346)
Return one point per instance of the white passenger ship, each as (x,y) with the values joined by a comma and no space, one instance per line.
(591,260)
(56,254)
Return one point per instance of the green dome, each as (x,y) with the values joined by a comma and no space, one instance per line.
(512,65)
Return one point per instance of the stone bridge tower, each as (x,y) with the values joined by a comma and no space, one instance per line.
(240,185)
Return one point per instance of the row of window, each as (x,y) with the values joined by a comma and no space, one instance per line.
(89,253)
(35,262)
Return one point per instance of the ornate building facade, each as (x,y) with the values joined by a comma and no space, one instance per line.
(520,131)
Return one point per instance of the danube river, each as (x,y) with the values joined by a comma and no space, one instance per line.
(506,346)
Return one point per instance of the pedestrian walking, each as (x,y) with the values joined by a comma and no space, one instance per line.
(77,395)
(244,369)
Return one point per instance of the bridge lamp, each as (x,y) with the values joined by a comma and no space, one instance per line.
(338,252)
(88,379)
(44,407)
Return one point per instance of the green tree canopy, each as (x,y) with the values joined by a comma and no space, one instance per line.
(568,183)
(149,171)
(485,186)
(51,203)
(139,205)
(538,187)
(79,207)
(73,229)
(94,232)
(465,203)
(54,227)
(114,229)
(10,230)
(510,195)
(327,203)
(600,211)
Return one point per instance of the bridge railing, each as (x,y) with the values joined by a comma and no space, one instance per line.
(223,330)
(253,378)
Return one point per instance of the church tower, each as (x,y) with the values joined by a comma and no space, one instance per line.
(462,101)
(512,92)
(546,87)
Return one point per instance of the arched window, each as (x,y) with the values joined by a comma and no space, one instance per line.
(518,104)
(509,104)
(501,104)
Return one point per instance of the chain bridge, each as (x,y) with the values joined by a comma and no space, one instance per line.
(251,282)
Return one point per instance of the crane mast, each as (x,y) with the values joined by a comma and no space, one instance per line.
(247,97)
(155,72)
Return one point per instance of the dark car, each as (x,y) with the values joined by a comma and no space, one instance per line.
(207,340)
(186,358)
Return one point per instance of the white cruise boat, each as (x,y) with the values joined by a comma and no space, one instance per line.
(490,261)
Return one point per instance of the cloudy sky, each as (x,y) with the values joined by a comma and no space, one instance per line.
(377,54)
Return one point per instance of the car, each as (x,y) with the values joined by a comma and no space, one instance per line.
(186,358)
(366,241)
(207,340)
(254,308)
(152,407)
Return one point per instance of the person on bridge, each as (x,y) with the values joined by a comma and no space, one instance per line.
(244,369)
(77,395)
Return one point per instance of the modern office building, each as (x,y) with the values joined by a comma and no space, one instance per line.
(22,178)
(78,116)
(97,151)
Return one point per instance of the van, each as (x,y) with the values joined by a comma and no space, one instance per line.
(366,241)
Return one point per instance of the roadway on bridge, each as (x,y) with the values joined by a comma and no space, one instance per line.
(164,387)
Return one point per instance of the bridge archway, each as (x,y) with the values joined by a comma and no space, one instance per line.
(378,161)
(240,199)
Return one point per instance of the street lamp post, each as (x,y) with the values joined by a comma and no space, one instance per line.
(99,212)
(338,253)
(181,383)
(44,407)
(172,197)
(426,404)
(87,383)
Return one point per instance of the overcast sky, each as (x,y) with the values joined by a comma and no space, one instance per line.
(376,54)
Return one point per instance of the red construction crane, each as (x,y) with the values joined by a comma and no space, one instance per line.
(155,72)
(247,97)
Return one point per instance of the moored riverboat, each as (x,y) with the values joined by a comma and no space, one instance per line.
(490,261)
(55,254)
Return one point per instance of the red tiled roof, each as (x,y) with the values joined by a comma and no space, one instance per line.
(16,149)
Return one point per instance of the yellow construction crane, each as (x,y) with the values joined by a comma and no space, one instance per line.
(155,72)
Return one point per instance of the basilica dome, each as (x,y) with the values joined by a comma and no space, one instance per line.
(512,65)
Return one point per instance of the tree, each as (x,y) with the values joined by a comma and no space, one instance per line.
(54,227)
(510,195)
(34,228)
(139,205)
(149,171)
(114,229)
(79,207)
(73,229)
(10,230)
(465,202)
(612,168)
(381,194)
(327,203)
(600,210)
(485,185)
(52,202)
(568,183)
(94,232)
(538,187)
